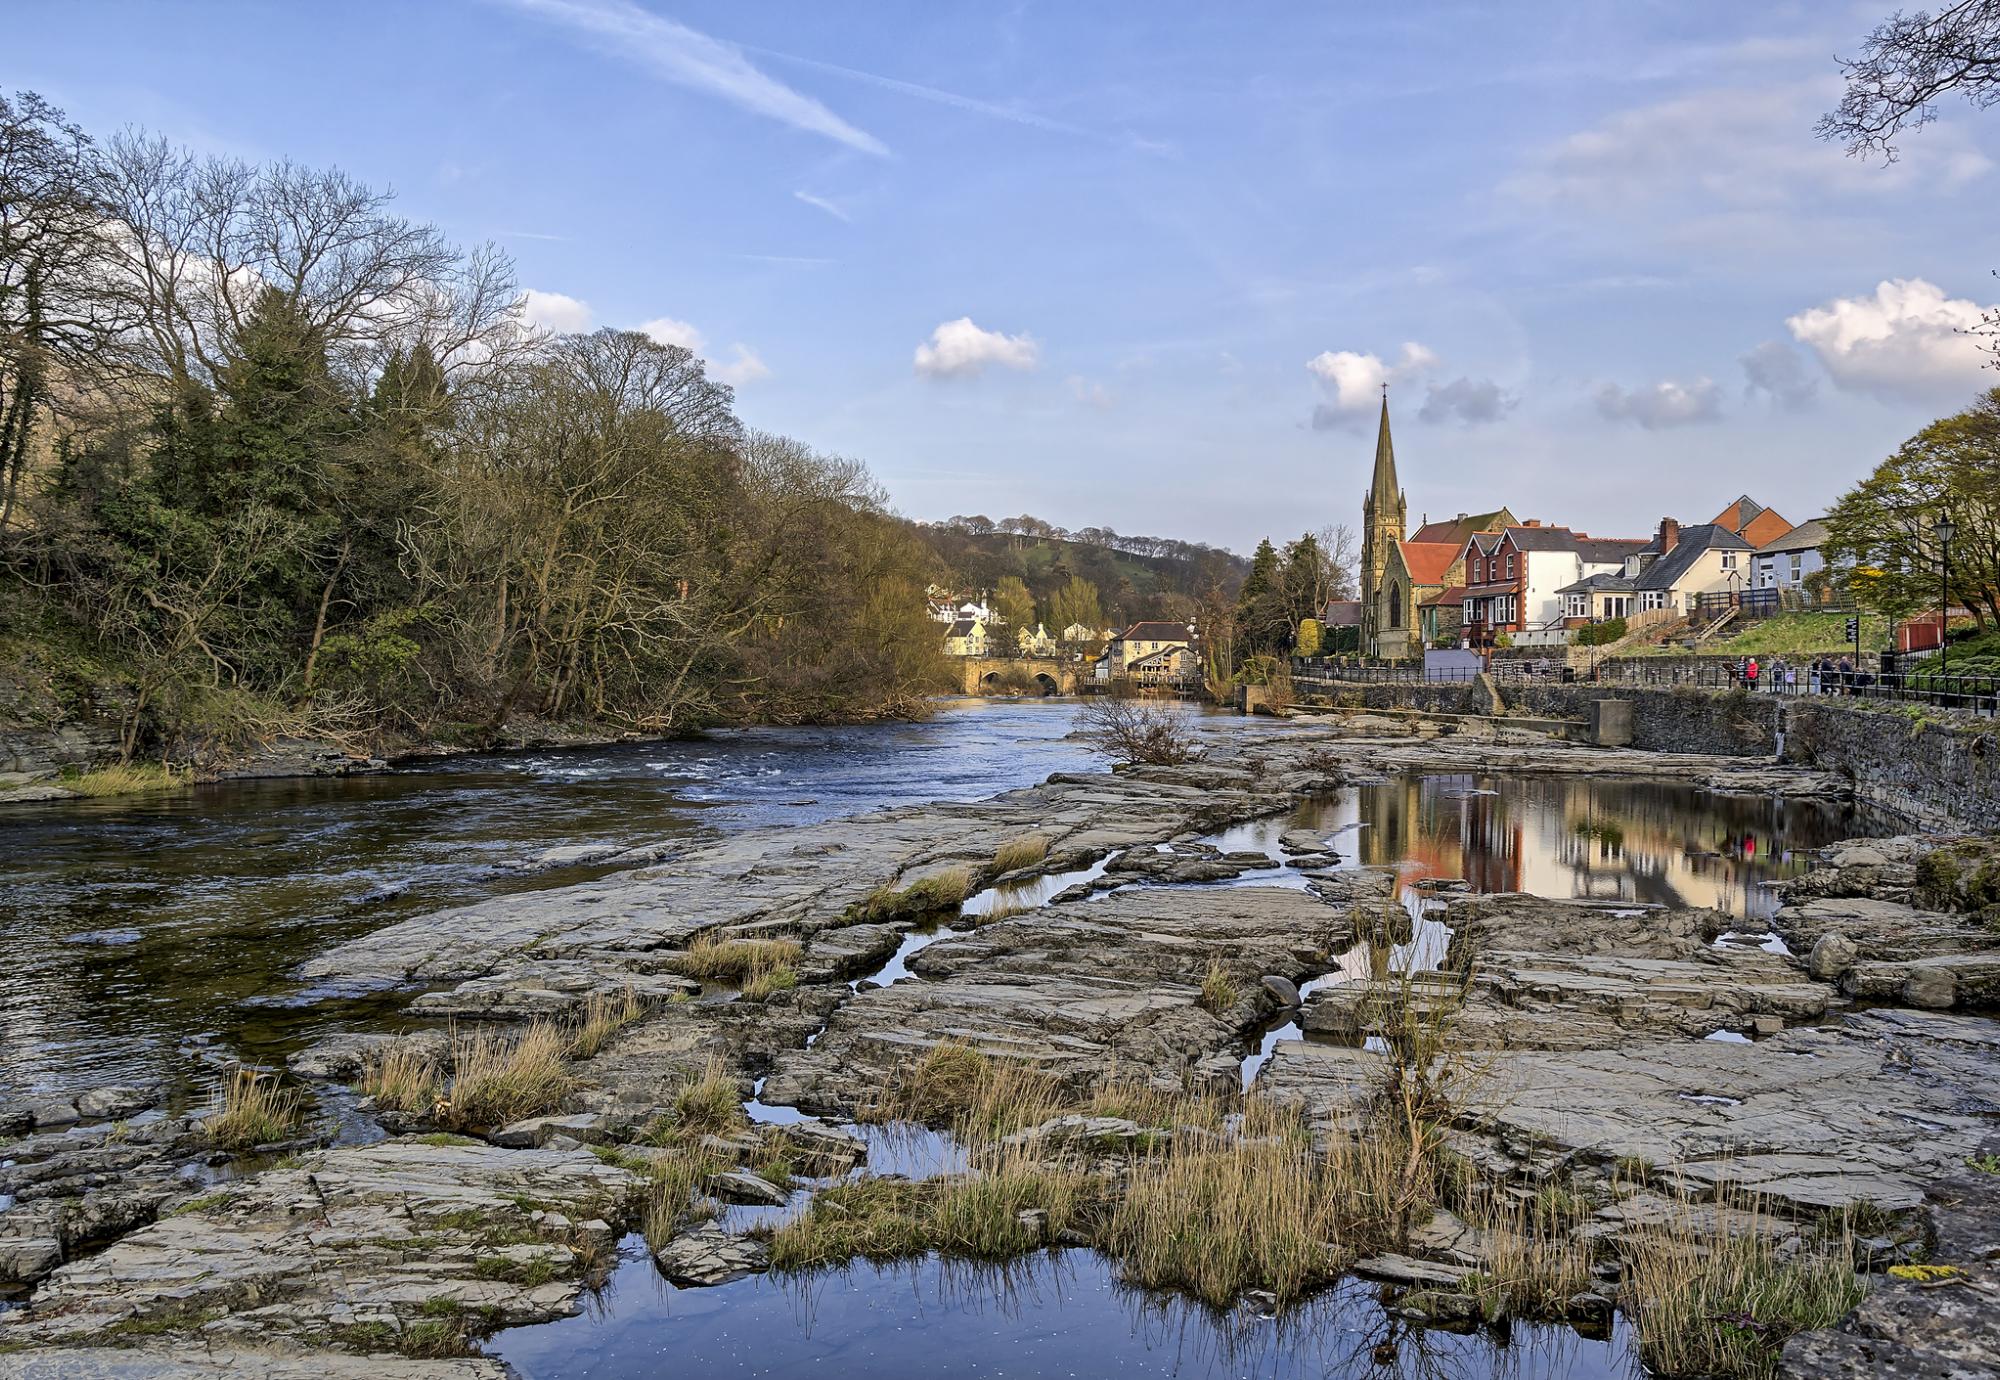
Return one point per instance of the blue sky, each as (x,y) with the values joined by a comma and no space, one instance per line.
(1145,266)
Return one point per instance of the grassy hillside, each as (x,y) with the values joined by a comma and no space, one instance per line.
(1803,634)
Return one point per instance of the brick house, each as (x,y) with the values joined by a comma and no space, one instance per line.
(1515,581)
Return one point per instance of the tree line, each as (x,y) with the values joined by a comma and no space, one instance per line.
(274,458)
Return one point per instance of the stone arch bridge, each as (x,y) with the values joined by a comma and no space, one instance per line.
(1054,676)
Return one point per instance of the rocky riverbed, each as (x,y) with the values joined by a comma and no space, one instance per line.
(1642,1060)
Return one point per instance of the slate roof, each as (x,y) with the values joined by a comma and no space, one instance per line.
(1456,530)
(1445,598)
(1668,569)
(1607,582)
(1343,613)
(1807,536)
(963,627)
(1158,630)
(1603,550)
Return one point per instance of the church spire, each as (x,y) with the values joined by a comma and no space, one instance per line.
(1384,488)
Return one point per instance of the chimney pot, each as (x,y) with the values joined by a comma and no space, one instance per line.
(1670,535)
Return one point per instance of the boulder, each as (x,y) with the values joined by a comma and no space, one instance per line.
(1832,954)
(709,1256)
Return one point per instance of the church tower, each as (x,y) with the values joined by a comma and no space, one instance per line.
(1384,520)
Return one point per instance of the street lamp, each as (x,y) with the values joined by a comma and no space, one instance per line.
(1945,529)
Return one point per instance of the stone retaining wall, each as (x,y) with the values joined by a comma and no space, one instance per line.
(1934,772)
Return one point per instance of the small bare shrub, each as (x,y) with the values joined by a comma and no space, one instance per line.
(1132,731)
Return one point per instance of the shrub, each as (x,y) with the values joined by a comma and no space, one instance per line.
(1599,634)
(1133,732)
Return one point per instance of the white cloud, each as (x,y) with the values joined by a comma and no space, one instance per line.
(1732,151)
(1467,401)
(747,367)
(1353,381)
(1664,404)
(669,331)
(959,348)
(820,203)
(694,60)
(1088,393)
(1778,371)
(1905,340)
(552,311)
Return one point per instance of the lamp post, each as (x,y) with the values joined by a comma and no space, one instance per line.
(1945,530)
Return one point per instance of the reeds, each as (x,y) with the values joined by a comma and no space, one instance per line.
(707,1104)
(715,959)
(940,891)
(250,1109)
(1712,1295)
(604,1014)
(402,1078)
(1026,851)
(126,778)
(499,1078)
(1218,989)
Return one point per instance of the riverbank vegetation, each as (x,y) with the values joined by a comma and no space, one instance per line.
(276,460)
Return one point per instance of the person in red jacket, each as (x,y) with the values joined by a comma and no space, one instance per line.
(1750,673)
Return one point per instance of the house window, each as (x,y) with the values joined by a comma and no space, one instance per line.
(1478,571)
(1729,560)
(1470,605)
(1510,565)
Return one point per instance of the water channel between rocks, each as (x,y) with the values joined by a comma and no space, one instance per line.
(118,916)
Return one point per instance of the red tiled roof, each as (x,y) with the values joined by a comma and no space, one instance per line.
(1429,560)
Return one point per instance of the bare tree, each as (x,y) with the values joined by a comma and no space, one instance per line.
(196,240)
(1910,61)
(57,324)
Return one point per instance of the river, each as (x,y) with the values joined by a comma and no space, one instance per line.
(146,935)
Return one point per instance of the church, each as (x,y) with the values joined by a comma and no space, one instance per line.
(1401,575)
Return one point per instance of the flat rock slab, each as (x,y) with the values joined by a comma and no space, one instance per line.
(1080,990)
(175,1362)
(366,1238)
(710,1256)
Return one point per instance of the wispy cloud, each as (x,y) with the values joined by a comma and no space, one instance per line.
(822,204)
(688,58)
(531,235)
(970,104)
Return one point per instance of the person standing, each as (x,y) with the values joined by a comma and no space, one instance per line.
(1750,673)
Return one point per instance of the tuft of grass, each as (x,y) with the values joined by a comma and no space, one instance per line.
(1026,851)
(940,891)
(1985,1164)
(1218,989)
(250,1109)
(604,1015)
(127,778)
(714,959)
(1712,1297)
(765,981)
(707,1104)
(499,1078)
(402,1079)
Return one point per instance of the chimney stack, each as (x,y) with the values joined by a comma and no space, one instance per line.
(1670,535)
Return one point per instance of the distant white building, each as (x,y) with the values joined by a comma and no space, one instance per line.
(1784,562)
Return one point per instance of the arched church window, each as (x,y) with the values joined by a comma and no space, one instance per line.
(1395,606)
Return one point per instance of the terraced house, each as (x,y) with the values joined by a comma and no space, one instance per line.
(1518,581)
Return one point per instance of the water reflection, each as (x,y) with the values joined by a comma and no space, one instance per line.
(1058,1314)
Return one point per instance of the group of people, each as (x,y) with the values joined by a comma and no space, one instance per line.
(1824,676)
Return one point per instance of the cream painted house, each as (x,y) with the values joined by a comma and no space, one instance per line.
(966,637)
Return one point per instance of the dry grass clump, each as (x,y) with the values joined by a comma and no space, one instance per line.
(604,1015)
(765,981)
(402,1078)
(715,959)
(127,778)
(499,1078)
(979,1216)
(1710,1295)
(708,1104)
(1026,851)
(1218,989)
(940,891)
(1534,1262)
(250,1109)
